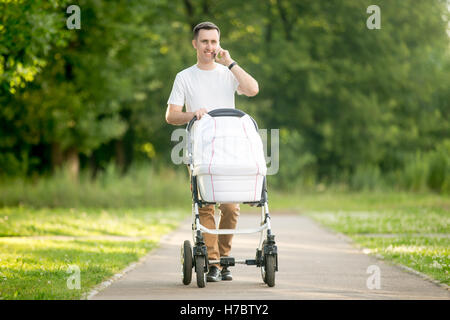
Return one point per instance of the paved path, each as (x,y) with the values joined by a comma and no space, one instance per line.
(313,264)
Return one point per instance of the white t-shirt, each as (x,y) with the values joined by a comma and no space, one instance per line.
(211,89)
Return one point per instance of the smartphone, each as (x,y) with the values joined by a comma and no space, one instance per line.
(215,53)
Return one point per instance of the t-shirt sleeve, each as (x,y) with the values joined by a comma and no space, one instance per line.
(177,96)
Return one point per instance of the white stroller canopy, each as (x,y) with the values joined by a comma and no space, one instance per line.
(228,158)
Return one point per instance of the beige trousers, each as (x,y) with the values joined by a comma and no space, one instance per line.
(219,245)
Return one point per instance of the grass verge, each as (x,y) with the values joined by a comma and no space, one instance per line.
(34,258)
(428,255)
(405,228)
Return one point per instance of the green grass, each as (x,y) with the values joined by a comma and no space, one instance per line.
(122,222)
(335,200)
(34,258)
(142,186)
(411,221)
(37,269)
(429,255)
(24,221)
(406,228)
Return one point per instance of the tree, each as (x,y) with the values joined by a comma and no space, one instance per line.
(28,31)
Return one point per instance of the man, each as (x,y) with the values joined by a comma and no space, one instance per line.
(210,84)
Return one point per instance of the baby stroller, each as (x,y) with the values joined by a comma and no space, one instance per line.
(226,164)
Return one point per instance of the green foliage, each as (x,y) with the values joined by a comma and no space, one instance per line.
(358,107)
(439,172)
(367,178)
(296,164)
(28,31)
(415,173)
(364,97)
(426,171)
(142,186)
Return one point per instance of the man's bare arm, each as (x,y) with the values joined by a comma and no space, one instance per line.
(247,84)
(176,116)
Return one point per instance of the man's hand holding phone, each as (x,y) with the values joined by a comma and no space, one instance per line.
(222,56)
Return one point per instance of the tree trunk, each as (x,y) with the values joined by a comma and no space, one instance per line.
(93,166)
(190,10)
(120,155)
(205,6)
(57,156)
(73,163)
(287,25)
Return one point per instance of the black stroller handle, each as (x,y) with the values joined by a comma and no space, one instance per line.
(222,112)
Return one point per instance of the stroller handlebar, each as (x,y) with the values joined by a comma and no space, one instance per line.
(222,112)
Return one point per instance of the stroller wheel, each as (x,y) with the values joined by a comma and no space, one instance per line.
(263,268)
(186,262)
(263,273)
(200,270)
(269,270)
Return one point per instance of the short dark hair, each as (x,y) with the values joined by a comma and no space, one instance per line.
(205,25)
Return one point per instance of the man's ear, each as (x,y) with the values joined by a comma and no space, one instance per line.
(194,44)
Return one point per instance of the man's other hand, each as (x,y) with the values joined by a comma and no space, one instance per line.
(200,112)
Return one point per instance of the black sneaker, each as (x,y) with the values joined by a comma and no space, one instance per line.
(226,274)
(213,274)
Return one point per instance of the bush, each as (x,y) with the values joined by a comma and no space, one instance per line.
(439,168)
(297,166)
(414,174)
(142,186)
(366,178)
(426,171)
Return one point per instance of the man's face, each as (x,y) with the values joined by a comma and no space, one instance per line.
(206,44)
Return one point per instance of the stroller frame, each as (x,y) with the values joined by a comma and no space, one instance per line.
(197,257)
